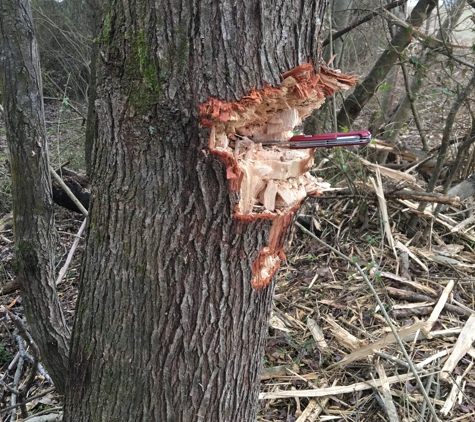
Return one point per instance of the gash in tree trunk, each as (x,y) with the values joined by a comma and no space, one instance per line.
(188,216)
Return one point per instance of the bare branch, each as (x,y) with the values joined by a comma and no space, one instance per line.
(366,18)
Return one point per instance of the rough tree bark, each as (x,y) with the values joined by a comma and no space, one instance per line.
(355,102)
(174,302)
(31,186)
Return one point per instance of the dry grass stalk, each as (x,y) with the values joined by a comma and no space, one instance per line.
(464,342)
(385,393)
(331,391)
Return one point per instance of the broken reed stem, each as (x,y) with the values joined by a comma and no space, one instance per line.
(385,314)
(65,267)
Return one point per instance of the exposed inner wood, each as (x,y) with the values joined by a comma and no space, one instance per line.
(272,181)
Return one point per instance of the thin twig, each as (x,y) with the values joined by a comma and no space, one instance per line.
(415,113)
(11,389)
(420,34)
(364,19)
(44,393)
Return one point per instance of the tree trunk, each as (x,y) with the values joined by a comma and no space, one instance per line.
(31,187)
(354,103)
(169,323)
(341,14)
(91,124)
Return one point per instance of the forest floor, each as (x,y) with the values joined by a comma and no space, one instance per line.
(330,354)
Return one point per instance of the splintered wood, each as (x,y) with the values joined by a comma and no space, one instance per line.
(272,181)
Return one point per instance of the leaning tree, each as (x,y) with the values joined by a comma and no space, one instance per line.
(189,213)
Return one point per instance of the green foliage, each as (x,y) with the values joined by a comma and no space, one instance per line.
(5,355)
(446,91)
(373,239)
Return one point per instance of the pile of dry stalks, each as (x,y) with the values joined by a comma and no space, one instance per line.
(369,325)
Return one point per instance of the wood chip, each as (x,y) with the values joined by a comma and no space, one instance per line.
(344,337)
(463,344)
(317,334)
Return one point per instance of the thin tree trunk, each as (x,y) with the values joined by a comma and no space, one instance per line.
(340,17)
(444,147)
(168,326)
(95,20)
(383,115)
(364,91)
(31,187)
(427,58)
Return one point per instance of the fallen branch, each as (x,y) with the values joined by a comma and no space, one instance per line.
(9,287)
(417,297)
(68,191)
(424,197)
(44,393)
